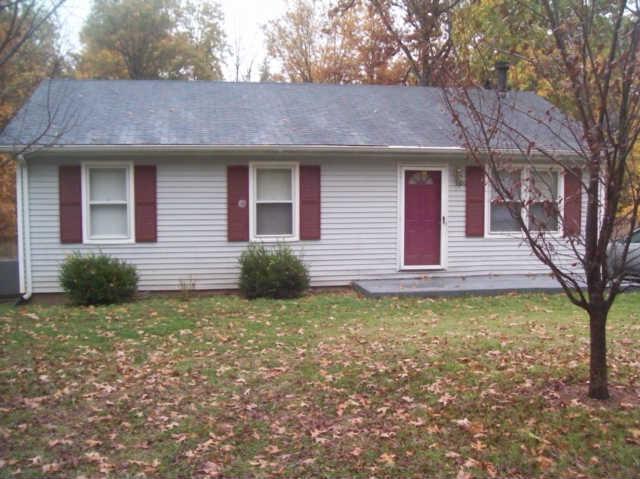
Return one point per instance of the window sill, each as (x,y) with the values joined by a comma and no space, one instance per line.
(274,239)
(417,268)
(520,236)
(505,235)
(109,241)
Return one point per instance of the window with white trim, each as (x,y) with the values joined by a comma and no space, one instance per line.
(108,203)
(502,219)
(274,201)
(533,193)
(543,186)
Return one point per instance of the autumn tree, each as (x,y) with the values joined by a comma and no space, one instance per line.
(315,42)
(505,30)
(498,29)
(151,39)
(589,58)
(422,30)
(28,54)
(298,41)
(377,53)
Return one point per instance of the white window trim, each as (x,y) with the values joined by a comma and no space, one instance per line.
(86,221)
(444,212)
(524,194)
(295,194)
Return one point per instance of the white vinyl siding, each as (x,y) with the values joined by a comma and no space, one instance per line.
(359,228)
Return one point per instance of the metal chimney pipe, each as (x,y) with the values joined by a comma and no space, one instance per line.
(502,73)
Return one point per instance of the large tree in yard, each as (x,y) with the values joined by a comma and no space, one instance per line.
(588,58)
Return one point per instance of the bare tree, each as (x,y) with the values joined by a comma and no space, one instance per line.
(238,52)
(591,59)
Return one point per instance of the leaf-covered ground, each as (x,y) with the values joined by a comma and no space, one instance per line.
(332,385)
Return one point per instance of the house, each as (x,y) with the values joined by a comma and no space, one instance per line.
(177,177)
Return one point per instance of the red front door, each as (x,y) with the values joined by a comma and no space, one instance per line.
(422,217)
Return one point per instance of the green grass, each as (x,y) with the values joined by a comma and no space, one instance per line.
(332,385)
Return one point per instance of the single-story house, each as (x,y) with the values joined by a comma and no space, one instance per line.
(177,177)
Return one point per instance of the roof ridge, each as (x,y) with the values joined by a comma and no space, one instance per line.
(243,83)
(269,83)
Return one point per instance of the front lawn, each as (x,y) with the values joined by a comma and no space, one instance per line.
(332,385)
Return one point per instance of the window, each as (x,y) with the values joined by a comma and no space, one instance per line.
(533,192)
(502,219)
(543,194)
(274,196)
(108,194)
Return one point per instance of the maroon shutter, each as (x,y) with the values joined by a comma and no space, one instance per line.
(238,203)
(572,202)
(70,186)
(309,202)
(474,201)
(146,204)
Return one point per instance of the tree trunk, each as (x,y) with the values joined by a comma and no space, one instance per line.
(598,386)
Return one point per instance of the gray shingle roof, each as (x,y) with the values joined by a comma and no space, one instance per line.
(163,112)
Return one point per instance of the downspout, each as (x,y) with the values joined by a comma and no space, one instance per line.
(24,229)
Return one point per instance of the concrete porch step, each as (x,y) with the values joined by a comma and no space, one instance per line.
(458,285)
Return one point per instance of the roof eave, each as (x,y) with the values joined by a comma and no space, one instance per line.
(375,149)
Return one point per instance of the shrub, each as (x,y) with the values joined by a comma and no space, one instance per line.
(276,273)
(98,279)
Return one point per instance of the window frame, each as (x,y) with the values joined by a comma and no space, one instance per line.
(488,205)
(86,203)
(559,197)
(294,167)
(525,196)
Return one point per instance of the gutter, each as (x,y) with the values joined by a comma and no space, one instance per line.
(24,229)
(378,149)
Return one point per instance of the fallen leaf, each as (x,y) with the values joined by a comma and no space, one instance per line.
(388,459)
(53,467)
(211,469)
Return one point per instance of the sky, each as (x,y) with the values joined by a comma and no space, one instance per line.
(243,21)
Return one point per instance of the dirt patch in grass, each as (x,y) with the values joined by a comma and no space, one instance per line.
(622,396)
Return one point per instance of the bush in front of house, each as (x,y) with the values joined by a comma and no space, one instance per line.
(272,273)
(98,279)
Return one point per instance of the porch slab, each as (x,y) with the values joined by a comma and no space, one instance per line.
(458,285)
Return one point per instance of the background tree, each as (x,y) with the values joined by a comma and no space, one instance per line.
(422,30)
(297,40)
(499,29)
(589,59)
(151,39)
(28,54)
(241,66)
(376,51)
(264,75)
(315,42)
